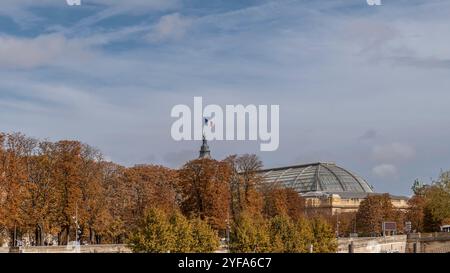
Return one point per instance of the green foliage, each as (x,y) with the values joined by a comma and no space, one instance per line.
(306,235)
(417,187)
(430,206)
(283,233)
(437,208)
(324,237)
(444,180)
(290,237)
(160,233)
(155,234)
(204,237)
(250,235)
(182,231)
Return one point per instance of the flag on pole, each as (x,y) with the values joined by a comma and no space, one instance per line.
(208,123)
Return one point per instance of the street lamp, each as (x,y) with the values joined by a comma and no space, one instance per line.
(77,227)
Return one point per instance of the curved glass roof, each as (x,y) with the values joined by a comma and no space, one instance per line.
(324,177)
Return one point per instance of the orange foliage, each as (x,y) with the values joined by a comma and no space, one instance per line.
(205,191)
(283,201)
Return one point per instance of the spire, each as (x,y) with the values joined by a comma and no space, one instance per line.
(204,150)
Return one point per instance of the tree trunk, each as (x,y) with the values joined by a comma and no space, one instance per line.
(91,236)
(63,236)
(39,235)
(12,236)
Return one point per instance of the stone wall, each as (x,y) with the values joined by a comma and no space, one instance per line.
(438,242)
(420,243)
(71,249)
(389,244)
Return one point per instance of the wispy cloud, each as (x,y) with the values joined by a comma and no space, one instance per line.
(109,72)
(385,170)
(46,49)
(21,11)
(169,27)
(393,152)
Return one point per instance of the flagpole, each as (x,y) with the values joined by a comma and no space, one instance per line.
(205,120)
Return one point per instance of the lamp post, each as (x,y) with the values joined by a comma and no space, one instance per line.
(76,223)
(228,231)
(228,235)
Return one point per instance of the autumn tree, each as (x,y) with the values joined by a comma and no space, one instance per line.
(16,152)
(205,238)
(430,205)
(345,222)
(65,187)
(306,234)
(183,233)
(277,234)
(245,182)
(205,192)
(416,212)
(67,173)
(437,208)
(324,238)
(278,201)
(250,234)
(154,234)
(373,211)
(149,186)
(118,201)
(94,211)
(42,200)
(285,236)
(163,232)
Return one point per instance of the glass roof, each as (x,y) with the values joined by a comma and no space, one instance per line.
(326,177)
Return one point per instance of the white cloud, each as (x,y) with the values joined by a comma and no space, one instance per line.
(43,50)
(393,152)
(19,10)
(304,58)
(170,27)
(385,170)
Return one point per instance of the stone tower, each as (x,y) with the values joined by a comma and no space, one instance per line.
(204,150)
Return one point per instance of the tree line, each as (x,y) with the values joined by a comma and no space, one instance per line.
(58,192)
(428,210)
(430,204)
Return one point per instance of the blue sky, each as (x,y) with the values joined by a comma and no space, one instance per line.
(365,87)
